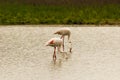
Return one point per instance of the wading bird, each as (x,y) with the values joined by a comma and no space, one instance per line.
(56,43)
(65,32)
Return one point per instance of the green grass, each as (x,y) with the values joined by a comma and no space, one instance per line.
(43,14)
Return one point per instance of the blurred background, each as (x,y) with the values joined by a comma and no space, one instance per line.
(63,2)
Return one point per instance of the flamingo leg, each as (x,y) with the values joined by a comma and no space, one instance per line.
(54,55)
(70,47)
(70,44)
(61,37)
(63,43)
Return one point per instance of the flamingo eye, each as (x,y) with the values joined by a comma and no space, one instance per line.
(51,42)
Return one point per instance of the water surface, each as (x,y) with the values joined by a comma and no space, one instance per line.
(24,56)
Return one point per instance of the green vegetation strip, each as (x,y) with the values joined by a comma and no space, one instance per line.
(42,14)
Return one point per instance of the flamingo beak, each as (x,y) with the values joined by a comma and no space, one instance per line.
(57,32)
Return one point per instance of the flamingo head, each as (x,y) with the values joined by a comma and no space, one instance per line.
(50,43)
(58,32)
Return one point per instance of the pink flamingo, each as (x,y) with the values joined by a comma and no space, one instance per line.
(56,43)
(65,32)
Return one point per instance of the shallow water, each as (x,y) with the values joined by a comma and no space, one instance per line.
(24,56)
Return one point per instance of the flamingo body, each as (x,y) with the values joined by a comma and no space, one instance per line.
(64,32)
(55,42)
